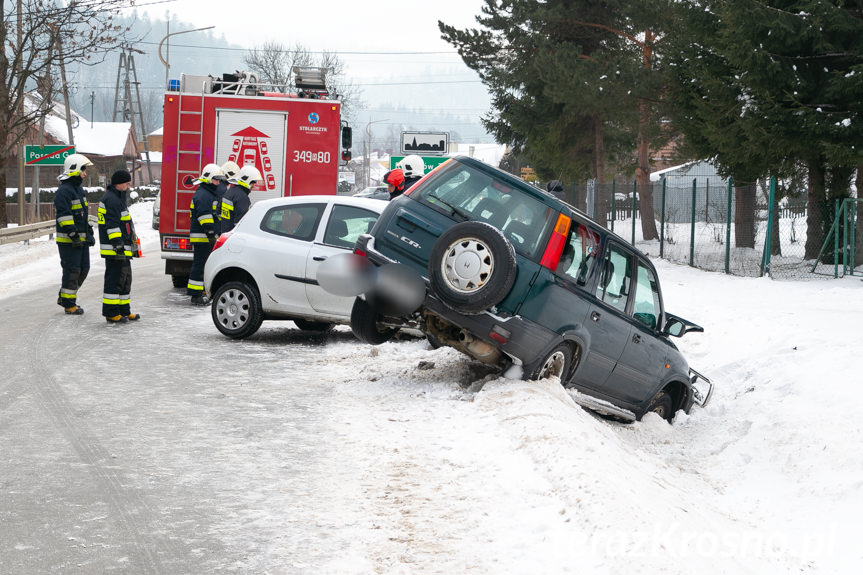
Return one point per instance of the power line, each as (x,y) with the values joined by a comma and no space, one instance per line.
(288,50)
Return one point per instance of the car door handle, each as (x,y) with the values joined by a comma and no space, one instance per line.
(636,338)
(319,258)
(594,315)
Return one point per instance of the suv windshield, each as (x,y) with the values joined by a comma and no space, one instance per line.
(468,193)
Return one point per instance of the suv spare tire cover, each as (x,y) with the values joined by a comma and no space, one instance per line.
(472,267)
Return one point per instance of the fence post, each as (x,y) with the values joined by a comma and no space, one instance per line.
(845,218)
(852,206)
(765,259)
(634,194)
(662,220)
(837,211)
(692,227)
(728,226)
(613,206)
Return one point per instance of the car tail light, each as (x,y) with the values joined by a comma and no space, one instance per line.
(222,239)
(551,257)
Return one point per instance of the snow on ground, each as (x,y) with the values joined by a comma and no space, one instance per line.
(767,479)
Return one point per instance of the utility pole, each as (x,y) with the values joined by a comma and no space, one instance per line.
(130,99)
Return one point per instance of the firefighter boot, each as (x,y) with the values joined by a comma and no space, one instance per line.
(75,310)
(117,319)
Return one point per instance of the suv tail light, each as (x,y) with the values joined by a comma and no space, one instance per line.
(551,257)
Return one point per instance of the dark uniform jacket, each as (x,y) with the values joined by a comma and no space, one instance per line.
(203,210)
(234,205)
(116,229)
(410,182)
(70,207)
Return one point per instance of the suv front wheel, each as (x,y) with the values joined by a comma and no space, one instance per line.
(472,267)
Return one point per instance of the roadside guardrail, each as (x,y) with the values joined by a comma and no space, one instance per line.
(28,232)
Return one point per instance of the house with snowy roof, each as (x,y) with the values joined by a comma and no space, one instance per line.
(109,145)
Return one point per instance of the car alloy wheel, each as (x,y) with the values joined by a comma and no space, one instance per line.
(236,310)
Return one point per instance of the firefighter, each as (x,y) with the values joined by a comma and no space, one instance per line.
(230,169)
(395,181)
(117,244)
(235,202)
(203,228)
(73,231)
(413,168)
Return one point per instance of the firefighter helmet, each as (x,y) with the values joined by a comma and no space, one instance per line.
(413,166)
(395,178)
(209,173)
(73,165)
(247,176)
(230,169)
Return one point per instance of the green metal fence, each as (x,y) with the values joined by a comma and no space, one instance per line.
(714,226)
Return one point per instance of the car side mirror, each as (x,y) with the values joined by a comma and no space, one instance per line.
(678,327)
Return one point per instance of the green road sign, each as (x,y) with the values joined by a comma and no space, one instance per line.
(431,162)
(47,155)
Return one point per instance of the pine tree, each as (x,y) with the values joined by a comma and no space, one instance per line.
(574,85)
(761,86)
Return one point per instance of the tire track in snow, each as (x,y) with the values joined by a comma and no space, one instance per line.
(130,511)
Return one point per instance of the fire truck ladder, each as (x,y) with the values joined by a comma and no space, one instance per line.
(189,132)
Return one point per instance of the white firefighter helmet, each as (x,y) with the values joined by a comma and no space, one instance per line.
(73,165)
(413,166)
(209,173)
(247,176)
(230,169)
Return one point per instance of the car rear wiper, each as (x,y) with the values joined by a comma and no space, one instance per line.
(453,210)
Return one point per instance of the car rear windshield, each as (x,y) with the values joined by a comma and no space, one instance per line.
(470,194)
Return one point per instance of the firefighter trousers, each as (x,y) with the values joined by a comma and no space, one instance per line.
(201,252)
(117,290)
(75,262)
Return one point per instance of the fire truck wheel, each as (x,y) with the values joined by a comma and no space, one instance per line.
(236,309)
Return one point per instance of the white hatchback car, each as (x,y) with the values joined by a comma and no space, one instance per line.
(266,267)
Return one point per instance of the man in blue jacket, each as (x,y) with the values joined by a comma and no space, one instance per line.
(73,231)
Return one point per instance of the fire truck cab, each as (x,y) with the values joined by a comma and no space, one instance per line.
(293,139)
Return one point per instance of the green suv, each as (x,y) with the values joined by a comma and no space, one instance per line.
(512,276)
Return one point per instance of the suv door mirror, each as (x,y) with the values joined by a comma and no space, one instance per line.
(678,327)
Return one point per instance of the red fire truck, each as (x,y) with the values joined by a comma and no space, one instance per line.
(292,138)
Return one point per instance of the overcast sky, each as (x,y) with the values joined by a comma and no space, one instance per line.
(384,36)
(392,50)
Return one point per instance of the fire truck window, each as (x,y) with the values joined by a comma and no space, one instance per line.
(299,222)
(346,224)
